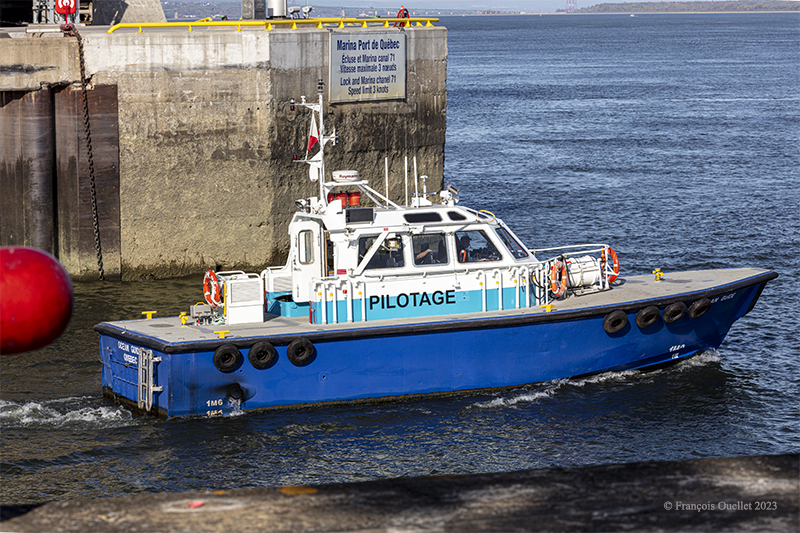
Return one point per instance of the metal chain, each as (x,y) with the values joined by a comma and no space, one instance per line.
(73,32)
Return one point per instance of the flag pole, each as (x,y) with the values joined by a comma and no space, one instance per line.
(321,145)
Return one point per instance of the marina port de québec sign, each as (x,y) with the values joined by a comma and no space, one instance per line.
(367,66)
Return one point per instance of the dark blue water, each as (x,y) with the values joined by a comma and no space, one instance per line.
(674,138)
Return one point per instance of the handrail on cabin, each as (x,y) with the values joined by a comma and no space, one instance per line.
(293,24)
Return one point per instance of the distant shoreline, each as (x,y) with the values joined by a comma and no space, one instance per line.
(192,9)
(637,13)
(695,6)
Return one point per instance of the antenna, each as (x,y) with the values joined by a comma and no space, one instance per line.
(406,180)
(416,191)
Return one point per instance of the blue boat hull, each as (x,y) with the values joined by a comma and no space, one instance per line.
(459,355)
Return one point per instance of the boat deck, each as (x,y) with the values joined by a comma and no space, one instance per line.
(629,294)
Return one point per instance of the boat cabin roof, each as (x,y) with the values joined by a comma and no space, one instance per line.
(437,234)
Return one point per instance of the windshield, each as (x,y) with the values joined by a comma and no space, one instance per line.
(511,243)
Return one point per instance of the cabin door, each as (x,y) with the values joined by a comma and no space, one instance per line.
(308,259)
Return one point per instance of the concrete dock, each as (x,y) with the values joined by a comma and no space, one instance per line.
(759,493)
(193,136)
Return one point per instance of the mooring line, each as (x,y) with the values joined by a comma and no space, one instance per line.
(70,30)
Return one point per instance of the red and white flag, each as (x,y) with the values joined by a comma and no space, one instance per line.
(313,137)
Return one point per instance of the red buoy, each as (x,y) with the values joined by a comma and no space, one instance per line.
(35,299)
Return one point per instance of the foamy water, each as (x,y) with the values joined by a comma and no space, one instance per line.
(62,413)
(550,390)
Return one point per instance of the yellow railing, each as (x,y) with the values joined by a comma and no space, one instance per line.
(293,24)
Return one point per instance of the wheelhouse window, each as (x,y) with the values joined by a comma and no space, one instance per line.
(430,249)
(306,246)
(417,218)
(474,246)
(388,255)
(513,245)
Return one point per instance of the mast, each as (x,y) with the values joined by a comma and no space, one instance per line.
(321,153)
(317,162)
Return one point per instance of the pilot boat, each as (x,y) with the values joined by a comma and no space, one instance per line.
(388,301)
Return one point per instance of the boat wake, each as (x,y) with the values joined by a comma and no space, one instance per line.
(236,407)
(527,397)
(548,390)
(704,358)
(63,412)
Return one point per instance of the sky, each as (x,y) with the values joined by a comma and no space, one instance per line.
(499,5)
(531,6)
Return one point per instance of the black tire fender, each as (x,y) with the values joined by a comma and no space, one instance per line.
(615,321)
(227,358)
(647,317)
(674,312)
(301,351)
(262,355)
(699,308)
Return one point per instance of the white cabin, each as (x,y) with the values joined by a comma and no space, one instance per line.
(349,263)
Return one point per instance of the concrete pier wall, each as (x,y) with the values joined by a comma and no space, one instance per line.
(28,142)
(75,220)
(206,138)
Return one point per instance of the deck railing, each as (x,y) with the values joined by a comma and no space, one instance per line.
(291,24)
(530,283)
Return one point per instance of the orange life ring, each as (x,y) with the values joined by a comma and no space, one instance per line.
(402,14)
(211,289)
(558,278)
(614,264)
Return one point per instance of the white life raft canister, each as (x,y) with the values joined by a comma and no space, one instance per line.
(583,271)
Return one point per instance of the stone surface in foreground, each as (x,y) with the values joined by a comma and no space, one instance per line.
(742,493)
